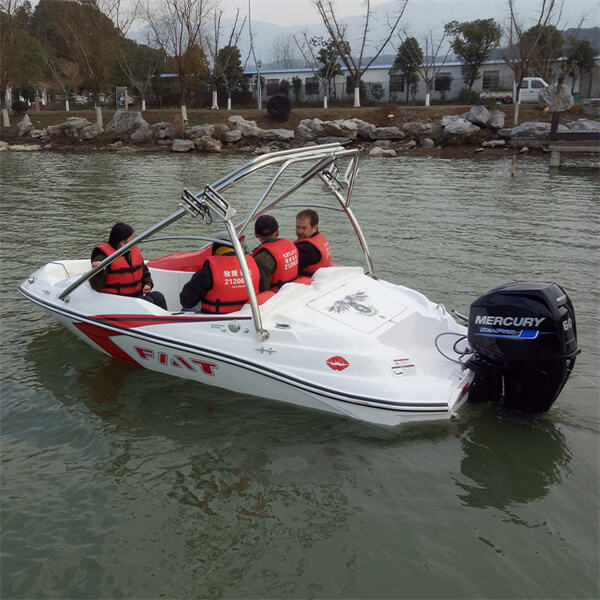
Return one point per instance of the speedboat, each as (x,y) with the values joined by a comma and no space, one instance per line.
(341,341)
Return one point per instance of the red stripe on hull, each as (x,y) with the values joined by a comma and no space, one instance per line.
(101,336)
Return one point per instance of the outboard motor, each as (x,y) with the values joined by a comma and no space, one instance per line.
(524,340)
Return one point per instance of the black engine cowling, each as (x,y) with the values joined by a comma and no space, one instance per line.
(524,340)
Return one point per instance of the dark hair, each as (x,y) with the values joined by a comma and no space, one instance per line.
(311,214)
(266,225)
(119,233)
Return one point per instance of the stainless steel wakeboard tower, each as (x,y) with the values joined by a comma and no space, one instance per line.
(210,206)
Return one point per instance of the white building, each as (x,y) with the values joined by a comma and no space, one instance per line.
(382,84)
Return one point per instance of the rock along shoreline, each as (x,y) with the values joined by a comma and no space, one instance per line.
(476,130)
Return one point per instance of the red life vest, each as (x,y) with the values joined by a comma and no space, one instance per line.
(285,255)
(319,241)
(228,292)
(122,278)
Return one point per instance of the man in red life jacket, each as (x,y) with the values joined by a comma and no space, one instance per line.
(276,258)
(219,285)
(127,275)
(313,248)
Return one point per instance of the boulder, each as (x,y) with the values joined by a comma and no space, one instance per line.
(496,119)
(24,126)
(90,131)
(234,135)
(55,129)
(142,135)
(73,126)
(125,121)
(447,119)
(591,107)
(409,145)
(505,133)
(417,129)
(160,125)
(461,126)
(310,129)
(208,144)
(341,128)
(166,133)
(282,135)
(330,139)
(238,120)
(533,134)
(427,143)
(379,152)
(182,145)
(584,125)
(364,129)
(387,133)
(36,133)
(494,143)
(382,144)
(555,98)
(25,148)
(3,146)
(199,130)
(479,115)
(247,128)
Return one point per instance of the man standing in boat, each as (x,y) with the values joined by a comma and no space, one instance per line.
(277,258)
(313,248)
(219,285)
(128,275)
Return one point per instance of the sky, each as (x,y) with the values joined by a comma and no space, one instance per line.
(290,13)
(298,12)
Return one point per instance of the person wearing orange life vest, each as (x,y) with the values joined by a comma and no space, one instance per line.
(219,285)
(314,250)
(127,275)
(277,258)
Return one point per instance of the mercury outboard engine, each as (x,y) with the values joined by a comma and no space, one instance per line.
(524,341)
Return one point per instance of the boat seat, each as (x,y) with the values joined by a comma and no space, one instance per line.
(305,279)
(263,297)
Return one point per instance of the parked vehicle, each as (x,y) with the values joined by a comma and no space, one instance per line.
(529,91)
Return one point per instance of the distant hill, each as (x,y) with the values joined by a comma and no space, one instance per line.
(591,34)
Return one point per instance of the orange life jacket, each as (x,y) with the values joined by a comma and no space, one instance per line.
(122,278)
(285,255)
(319,241)
(228,292)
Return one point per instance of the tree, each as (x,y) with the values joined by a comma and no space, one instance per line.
(518,53)
(10,25)
(430,66)
(322,57)
(218,61)
(473,42)
(337,33)
(177,29)
(139,63)
(581,57)
(283,52)
(92,40)
(546,43)
(408,62)
(230,67)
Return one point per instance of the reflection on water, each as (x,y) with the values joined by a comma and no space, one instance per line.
(510,460)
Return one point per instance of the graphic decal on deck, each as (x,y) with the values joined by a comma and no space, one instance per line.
(337,363)
(356,302)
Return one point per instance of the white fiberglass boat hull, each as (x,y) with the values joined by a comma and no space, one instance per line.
(346,344)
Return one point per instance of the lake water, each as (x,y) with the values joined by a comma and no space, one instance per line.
(123,483)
